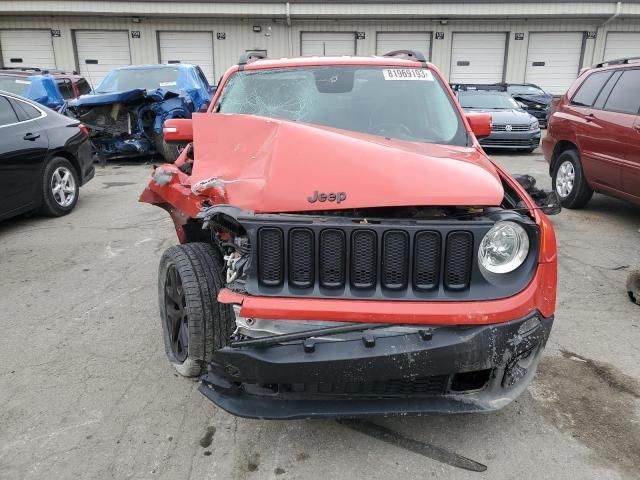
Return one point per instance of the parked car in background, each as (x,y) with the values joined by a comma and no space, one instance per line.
(593,140)
(126,111)
(511,127)
(533,99)
(347,247)
(45,158)
(51,88)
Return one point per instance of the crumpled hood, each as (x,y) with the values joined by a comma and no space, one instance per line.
(268,165)
(95,99)
(539,99)
(137,94)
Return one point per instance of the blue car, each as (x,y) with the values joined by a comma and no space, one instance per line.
(35,85)
(145,96)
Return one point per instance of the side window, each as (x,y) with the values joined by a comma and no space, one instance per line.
(203,79)
(604,93)
(24,110)
(7,115)
(64,84)
(590,88)
(625,96)
(83,87)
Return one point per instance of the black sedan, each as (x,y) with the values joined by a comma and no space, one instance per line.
(533,99)
(45,158)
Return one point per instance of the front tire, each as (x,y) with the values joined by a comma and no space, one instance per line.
(569,182)
(169,151)
(194,324)
(60,188)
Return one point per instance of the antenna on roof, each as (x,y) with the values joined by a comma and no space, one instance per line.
(88,61)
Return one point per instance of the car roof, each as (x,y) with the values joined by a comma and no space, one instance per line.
(155,66)
(613,65)
(523,85)
(31,72)
(19,73)
(315,60)
(18,97)
(485,92)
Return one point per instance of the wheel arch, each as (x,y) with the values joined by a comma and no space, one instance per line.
(72,159)
(561,146)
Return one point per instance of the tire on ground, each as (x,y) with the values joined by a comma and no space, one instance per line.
(210,324)
(581,193)
(169,151)
(50,207)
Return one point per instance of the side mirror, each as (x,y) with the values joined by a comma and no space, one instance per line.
(178,130)
(480,124)
(204,107)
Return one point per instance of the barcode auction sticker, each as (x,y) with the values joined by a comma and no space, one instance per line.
(23,82)
(168,84)
(408,74)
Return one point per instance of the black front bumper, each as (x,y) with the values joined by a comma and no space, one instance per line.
(512,140)
(448,369)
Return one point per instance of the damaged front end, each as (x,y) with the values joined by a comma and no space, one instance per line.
(374,312)
(375,369)
(129,124)
(370,298)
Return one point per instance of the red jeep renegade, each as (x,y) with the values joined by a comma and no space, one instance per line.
(347,248)
(593,139)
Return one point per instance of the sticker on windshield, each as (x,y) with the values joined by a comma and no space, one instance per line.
(23,82)
(168,84)
(408,74)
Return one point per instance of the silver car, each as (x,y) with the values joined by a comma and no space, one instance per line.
(511,126)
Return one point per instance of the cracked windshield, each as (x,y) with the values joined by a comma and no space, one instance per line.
(405,104)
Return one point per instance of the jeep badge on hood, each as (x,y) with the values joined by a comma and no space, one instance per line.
(327,197)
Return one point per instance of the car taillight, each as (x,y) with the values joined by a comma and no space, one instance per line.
(84,130)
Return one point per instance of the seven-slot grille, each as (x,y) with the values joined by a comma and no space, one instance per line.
(497,127)
(364,259)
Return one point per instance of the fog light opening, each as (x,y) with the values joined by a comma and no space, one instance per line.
(470,381)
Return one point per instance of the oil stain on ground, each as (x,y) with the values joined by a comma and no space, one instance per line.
(595,403)
(207,438)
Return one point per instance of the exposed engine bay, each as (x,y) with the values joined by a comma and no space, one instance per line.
(130,123)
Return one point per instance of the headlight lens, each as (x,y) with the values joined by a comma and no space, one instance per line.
(534,126)
(504,248)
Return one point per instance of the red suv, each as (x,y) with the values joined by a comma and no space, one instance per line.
(347,247)
(593,139)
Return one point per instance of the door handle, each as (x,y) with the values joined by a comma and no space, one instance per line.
(31,136)
(636,127)
(590,118)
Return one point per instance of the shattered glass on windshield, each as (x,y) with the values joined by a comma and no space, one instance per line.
(360,99)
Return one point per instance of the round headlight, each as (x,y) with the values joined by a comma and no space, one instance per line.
(504,248)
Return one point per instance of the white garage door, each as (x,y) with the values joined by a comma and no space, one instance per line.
(334,43)
(100,51)
(622,45)
(477,57)
(389,41)
(188,47)
(553,60)
(27,48)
